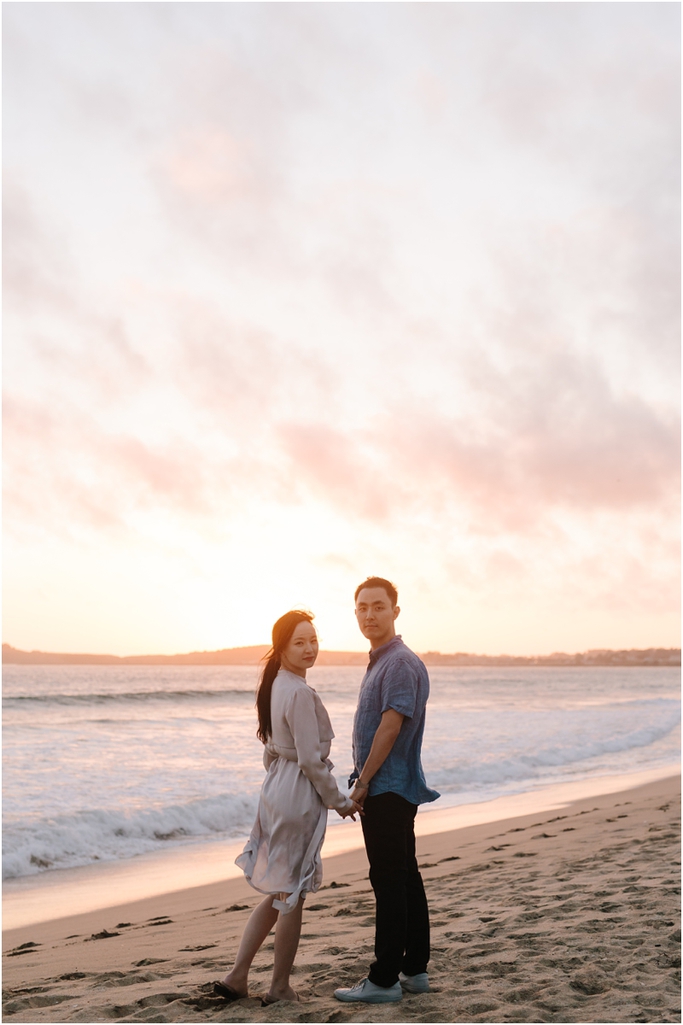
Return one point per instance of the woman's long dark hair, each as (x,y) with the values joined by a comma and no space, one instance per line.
(282,635)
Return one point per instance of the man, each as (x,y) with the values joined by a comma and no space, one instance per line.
(389,783)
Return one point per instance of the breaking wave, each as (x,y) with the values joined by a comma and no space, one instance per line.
(66,841)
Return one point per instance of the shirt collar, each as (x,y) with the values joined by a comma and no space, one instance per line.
(378,652)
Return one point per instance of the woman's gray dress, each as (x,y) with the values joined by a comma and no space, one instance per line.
(282,854)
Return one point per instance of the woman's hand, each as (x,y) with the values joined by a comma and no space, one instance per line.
(351,812)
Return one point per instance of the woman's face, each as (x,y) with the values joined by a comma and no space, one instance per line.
(302,650)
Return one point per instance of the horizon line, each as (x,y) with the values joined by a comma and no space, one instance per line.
(253,653)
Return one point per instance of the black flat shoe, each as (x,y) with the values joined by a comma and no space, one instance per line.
(228,994)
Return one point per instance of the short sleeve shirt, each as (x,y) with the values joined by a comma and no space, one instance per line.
(395,678)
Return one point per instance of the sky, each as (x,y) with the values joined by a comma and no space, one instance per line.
(296,293)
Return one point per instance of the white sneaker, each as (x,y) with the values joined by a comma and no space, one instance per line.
(367,992)
(414,983)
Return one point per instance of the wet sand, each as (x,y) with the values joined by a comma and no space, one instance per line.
(562,916)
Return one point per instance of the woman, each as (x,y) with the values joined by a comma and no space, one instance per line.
(282,856)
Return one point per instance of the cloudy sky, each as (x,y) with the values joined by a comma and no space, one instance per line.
(299,292)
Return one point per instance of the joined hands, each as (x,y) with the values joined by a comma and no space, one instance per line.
(355,809)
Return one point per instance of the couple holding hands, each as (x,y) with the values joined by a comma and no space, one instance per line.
(282,856)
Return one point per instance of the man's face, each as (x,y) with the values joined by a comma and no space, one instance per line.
(376,615)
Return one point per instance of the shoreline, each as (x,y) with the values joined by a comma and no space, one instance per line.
(32,900)
(540,917)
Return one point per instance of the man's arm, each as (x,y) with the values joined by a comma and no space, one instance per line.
(382,743)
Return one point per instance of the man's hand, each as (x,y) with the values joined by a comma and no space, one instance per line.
(358,794)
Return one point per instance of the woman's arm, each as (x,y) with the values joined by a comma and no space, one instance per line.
(303,724)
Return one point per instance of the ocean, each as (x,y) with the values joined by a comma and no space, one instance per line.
(102,763)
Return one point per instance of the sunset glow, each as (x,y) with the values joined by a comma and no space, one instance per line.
(299,293)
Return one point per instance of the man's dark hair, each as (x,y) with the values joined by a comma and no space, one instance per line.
(392,593)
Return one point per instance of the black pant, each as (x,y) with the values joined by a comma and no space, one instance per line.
(402,915)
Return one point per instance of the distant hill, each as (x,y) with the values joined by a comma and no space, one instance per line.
(595,657)
(227,656)
(252,655)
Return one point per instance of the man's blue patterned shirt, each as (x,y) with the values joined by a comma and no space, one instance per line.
(395,678)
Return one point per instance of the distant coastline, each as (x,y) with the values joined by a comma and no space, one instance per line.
(253,654)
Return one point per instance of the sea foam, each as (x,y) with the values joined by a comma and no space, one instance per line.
(105,834)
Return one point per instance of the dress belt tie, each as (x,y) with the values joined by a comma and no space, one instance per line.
(289,753)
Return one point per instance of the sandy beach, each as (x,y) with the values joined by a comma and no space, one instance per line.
(569,916)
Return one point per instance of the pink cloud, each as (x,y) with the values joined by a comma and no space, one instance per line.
(554,438)
(211,166)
